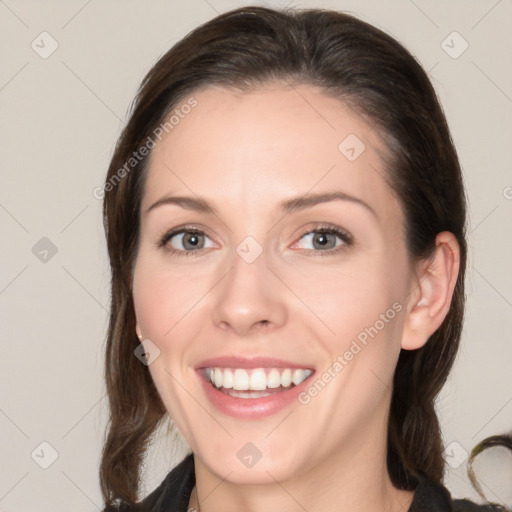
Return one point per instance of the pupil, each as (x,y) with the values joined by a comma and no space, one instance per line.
(191,239)
(322,239)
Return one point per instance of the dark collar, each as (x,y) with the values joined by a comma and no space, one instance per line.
(430,497)
(173,494)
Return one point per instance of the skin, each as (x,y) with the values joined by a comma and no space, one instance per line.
(245,153)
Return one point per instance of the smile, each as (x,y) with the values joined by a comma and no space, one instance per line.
(252,392)
(255,383)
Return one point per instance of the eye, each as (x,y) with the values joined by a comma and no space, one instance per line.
(188,241)
(325,239)
(185,241)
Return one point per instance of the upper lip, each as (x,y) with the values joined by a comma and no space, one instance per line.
(250,363)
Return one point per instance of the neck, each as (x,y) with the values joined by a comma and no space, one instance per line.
(337,484)
(320,476)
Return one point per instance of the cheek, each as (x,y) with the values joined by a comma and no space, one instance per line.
(164,297)
(167,310)
(362,311)
(344,300)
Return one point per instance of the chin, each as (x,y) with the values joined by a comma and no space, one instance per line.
(250,463)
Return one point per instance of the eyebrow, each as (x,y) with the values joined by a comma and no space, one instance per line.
(290,205)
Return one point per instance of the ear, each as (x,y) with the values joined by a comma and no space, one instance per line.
(431,295)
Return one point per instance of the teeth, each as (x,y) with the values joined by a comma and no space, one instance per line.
(273,379)
(227,379)
(217,377)
(258,379)
(286,378)
(240,380)
(298,376)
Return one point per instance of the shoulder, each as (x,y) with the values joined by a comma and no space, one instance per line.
(469,506)
(174,491)
(434,497)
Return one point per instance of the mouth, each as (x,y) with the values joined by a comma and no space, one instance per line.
(252,387)
(254,383)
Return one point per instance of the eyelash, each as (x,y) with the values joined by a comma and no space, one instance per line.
(344,236)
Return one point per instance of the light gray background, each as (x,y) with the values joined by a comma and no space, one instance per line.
(60,117)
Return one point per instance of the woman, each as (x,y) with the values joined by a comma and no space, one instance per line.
(302,164)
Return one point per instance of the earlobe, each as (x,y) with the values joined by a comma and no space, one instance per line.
(433,291)
(138,331)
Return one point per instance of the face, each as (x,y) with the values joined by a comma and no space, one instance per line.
(283,260)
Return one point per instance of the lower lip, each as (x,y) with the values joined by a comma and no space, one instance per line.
(252,407)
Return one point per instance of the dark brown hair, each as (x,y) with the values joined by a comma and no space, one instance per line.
(376,76)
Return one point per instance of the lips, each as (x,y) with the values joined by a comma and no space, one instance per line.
(252,387)
(249,363)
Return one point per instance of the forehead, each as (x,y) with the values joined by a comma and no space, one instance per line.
(266,144)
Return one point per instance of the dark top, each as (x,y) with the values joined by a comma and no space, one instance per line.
(173,495)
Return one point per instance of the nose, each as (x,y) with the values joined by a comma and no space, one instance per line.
(249,299)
